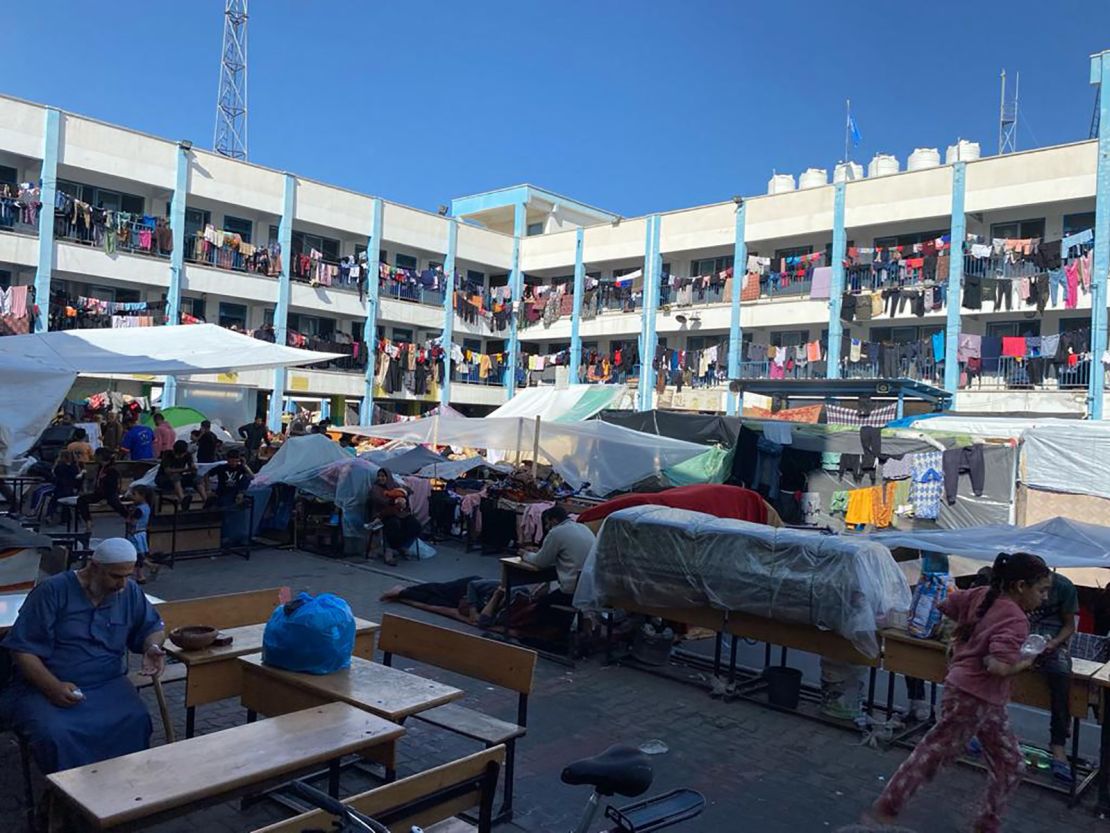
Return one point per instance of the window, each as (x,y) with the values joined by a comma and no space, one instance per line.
(103,197)
(1018,229)
(356,330)
(435,264)
(620,273)
(310,325)
(233,315)
(908,239)
(275,234)
(708,265)
(902,335)
(498,280)
(1074,322)
(304,244)
(405,262)
(237,225)
(474,345)
(1075,223)
(534,229)
(476,277)
(5,278)
(790,338)
(402,335)
(796,251)
(195,220)
(1014,328)
(193,306)
(8,175)
(587,346)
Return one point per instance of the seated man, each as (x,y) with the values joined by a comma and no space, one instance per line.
(233,478)
(566,544)
(71,697)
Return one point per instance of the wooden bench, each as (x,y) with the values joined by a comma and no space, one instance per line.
(139,789)
(230,610)
(430,799)
(472,656)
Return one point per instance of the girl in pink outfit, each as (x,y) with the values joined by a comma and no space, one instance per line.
(992,625)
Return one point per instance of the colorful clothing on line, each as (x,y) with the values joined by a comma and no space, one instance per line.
(928,483)
(860,507)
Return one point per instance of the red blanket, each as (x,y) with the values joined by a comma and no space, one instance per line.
(710,498)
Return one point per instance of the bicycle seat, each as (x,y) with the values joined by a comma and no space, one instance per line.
(619,770)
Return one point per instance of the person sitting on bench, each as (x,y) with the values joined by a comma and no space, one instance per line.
(566,544)
(177,470)
(233,478)
(71,698)
(106,487)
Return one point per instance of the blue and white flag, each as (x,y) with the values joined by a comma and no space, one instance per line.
(853,129)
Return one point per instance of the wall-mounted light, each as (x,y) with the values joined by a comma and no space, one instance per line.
(185,145)
(737,200)
(443,211)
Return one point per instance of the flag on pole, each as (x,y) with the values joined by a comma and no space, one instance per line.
(853,129)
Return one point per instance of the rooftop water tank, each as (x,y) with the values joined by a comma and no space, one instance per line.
(883,164)
(962,151)
(847,172)
(923,158)
(813,178)
(780,184)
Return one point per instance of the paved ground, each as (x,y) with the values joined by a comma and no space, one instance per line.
(761,770)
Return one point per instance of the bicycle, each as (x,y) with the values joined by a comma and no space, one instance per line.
(619,770)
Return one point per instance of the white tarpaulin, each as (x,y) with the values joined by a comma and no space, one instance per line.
(37,370)
(987,426)
(575,403)
(605,456)
(1072,457)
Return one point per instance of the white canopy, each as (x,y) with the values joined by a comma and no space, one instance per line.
(605,456)
(37,370)
(571,404)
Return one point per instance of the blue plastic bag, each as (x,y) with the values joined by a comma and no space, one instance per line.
(313,635)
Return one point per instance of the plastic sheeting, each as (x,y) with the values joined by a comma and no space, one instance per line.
(43,366)
(695,428)
(298,458)
(660,557)
(1070,457)
(604,457)
(570,404)
(1061,542)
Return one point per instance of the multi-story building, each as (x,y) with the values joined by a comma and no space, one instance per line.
(502,277)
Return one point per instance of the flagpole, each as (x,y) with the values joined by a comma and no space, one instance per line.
(847,125)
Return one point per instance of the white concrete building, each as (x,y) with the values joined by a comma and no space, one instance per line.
(521,238)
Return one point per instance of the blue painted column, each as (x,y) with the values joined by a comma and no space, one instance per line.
(735,334)
(836,290)
(281,308)
(516,286)
(955,279)
(177,259)
(45,270)
(576,312)
(448,308)
(1100,74)
(370,326)
(650,304)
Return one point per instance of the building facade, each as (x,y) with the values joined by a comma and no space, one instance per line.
(521,286)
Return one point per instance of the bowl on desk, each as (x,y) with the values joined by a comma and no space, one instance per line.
(193,637)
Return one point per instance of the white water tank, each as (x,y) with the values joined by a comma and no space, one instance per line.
(780,184)
(847,172)
(962,151)
(813,178)
(923,158)
(883,164)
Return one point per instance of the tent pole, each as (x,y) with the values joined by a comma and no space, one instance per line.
(536,447)
(519,437)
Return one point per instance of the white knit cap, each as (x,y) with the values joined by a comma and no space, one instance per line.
(115,551)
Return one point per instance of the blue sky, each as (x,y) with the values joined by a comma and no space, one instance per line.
(631,106)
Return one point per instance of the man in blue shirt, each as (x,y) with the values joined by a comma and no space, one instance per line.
(71,697)
(138,442)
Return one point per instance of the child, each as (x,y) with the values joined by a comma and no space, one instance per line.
(992,625)
(137,520)
(67,480)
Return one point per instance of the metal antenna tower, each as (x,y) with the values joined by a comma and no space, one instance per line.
(230,138)
(1008,118)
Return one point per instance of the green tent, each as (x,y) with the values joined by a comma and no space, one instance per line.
(177,417)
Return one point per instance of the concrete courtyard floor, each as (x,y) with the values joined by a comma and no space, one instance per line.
(760,770)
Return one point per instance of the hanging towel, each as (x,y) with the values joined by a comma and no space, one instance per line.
(822,281)
(1014,346)
(938,346)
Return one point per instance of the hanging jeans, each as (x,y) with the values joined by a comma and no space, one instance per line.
(1003,293)
(958,460)
(1057,285)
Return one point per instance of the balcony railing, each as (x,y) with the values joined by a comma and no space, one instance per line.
(412,292)
(133,237)
(19,215)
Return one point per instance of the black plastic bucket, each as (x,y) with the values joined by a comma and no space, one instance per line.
(784,686)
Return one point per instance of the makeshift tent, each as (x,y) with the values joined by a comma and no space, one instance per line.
(405,461)
(603,457)
(714,465)
(37,370)
(1061,542)
(177,417)
(572,404)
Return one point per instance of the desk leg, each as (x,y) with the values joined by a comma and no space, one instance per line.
(871,680)
(333,778)
(190,721)
(782,657)
(890,677)
(1103,805)
(732,662)
(717,654)
(767,655)
(252,715)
